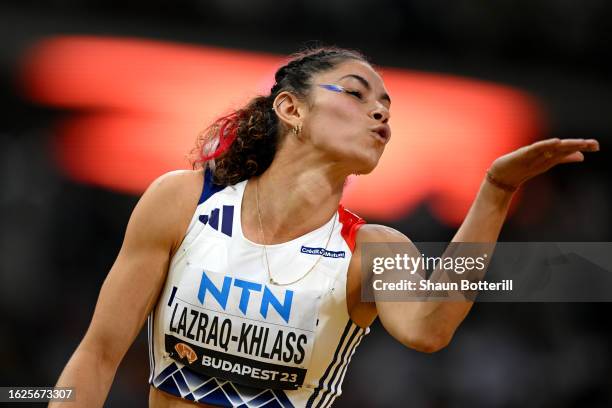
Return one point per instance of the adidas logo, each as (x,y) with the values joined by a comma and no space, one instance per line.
(226,214)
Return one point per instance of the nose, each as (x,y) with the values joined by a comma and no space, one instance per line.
(380,113)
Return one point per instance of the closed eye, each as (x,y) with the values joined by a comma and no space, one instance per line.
(356,94)
(339,88)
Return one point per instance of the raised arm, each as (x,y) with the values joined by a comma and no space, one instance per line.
(429,326)
(132,286)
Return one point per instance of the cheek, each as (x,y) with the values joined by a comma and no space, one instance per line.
(345,111)
(336,122)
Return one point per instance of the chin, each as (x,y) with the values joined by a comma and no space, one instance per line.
(363,172)
(364,166)
(359,161)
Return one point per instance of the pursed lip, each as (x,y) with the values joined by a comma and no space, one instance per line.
(383,131)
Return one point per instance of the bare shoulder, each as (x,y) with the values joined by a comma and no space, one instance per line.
(380,233)
(179,187)
(165,209)
(178,181)
(364,313)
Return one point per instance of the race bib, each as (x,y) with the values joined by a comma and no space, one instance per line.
(248,332)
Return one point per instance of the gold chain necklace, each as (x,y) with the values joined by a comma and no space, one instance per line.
(265,250)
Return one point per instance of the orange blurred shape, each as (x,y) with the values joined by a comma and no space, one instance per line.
(141,104)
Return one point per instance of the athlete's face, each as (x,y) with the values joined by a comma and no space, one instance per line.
(351,123)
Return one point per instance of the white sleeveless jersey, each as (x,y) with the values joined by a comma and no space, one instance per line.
(222,334)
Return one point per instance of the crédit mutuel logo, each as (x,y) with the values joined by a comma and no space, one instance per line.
(321,251)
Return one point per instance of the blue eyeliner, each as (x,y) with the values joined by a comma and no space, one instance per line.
(335,88)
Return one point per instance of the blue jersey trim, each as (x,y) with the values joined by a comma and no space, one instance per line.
(209,187)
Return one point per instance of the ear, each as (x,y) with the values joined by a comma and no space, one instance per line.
(289,109)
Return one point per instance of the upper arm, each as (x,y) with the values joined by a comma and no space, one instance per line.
(395,316)
(361,312)
(155,230)
(416,324)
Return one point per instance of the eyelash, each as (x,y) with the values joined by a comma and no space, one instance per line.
(356,94)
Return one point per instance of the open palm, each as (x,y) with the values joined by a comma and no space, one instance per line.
(526,162)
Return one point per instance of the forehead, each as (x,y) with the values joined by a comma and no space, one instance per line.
(354,67)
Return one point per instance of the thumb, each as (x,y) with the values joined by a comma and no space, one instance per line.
(572,157)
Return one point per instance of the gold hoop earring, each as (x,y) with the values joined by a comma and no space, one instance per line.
(297,130)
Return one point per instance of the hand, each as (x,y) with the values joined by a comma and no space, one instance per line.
(511,170)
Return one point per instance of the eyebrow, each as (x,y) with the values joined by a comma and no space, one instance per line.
(365,83)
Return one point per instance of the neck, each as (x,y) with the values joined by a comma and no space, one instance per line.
(297,194)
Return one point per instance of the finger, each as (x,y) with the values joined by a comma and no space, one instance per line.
(571,158)
(553,150)
(586,144)
(545,144)
(569,148)
(572,141)
(562,142)
(592,145)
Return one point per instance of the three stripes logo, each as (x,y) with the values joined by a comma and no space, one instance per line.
(220,218)
(331,381)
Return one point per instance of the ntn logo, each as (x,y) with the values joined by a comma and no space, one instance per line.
(221,295)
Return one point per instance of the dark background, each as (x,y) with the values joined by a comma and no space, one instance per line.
(58,238)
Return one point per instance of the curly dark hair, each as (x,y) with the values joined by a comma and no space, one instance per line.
(243,144)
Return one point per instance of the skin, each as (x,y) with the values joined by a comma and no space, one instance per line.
(302,188)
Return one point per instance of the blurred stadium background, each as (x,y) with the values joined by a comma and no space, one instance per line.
(85,128)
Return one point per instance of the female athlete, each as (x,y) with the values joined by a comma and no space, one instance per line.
(248,268)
